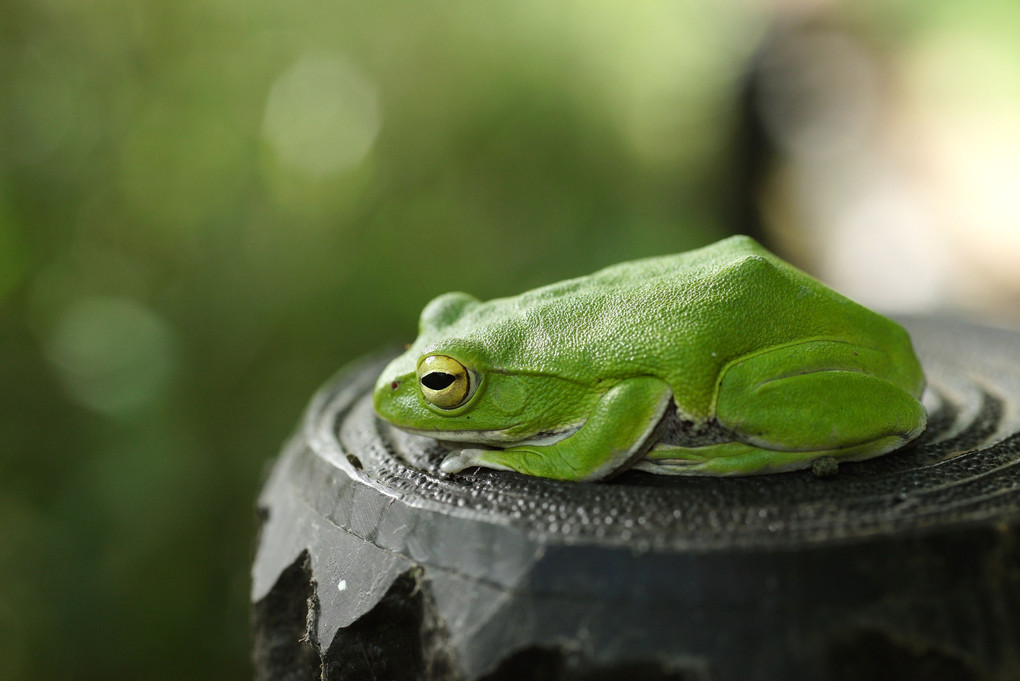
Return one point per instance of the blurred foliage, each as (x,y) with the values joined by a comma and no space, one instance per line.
(206,208)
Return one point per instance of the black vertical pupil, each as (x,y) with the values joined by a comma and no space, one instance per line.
(437,380)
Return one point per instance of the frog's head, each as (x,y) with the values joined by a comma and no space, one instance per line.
(451,391)
(448,384)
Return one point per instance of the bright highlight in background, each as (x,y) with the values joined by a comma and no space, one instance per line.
(322,116)
(112,354)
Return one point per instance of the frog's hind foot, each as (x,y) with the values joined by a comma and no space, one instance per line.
(723,458)
(730,459)
(740,458)
(668,467)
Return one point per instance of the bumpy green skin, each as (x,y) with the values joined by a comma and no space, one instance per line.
(572,380)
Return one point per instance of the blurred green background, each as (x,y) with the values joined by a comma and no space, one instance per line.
(206,208)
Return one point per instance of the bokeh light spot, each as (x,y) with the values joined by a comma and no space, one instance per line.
(322,116)
(112,354)
(12,253)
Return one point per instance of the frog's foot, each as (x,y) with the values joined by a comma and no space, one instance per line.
(455,462)
(723,458)
(529,460)
(739,458)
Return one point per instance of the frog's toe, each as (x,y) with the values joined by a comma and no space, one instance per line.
(454,462)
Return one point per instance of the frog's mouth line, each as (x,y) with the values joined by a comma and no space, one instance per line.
(498,438)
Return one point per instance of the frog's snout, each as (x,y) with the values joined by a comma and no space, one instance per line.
(381,395)
(391,396)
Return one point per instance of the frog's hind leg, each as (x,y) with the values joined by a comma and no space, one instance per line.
(781,421)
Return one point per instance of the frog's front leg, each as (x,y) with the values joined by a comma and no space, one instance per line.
(792,405)
(618,430)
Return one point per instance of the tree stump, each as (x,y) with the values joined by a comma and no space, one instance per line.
(373,564)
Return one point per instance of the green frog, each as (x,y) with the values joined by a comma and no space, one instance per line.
(724,360)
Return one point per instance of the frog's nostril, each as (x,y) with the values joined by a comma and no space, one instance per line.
(394,385)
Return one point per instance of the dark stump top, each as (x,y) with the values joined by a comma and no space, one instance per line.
(904,566)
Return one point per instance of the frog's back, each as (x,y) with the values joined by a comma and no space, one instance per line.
(678,270)
(691,267)
(678,317)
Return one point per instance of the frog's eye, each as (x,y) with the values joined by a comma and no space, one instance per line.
(444,381)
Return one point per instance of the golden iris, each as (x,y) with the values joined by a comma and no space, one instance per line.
(444,381)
